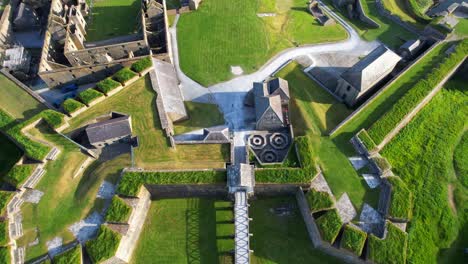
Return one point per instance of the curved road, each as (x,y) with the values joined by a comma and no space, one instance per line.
(229,95)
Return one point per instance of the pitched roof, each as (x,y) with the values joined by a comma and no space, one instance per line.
(216,133)
(109,129)
(278,84)
(368,71)
(263,104)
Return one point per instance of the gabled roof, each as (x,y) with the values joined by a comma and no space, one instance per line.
(278,85)
(264,104)
(260,89)
(109,129)
(368,71)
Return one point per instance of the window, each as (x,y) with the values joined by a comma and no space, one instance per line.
(348,88)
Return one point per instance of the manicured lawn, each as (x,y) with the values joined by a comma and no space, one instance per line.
(154,151)
(400,8)
(422,154)
(9,154)
(281,238)
(388,32)
(186,231)
(16,101)
(112,18)
(238,37)
(66,199)
(461,29)
(315,112)
(201,115)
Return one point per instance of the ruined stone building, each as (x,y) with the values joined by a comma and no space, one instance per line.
(364,75)
(68,58)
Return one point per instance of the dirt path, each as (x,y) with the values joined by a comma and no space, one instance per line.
(450,198)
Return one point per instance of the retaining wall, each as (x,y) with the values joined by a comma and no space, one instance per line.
(396,19)
(363,17)
(159,191)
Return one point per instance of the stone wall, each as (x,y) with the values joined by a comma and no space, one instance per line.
(5,28)
(396,19)
(363,17)
(187,190)
(270,190)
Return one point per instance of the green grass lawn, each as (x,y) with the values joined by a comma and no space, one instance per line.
(401,9)
(238,37)
(315,112)
(154,151)
(461,29)
(66,199)
(388,32)
(112,18)
(281,239)
(186,231)
(201,115)
(9,154)
(422,154)
(17,102)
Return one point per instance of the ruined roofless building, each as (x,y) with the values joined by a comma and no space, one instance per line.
(364,75)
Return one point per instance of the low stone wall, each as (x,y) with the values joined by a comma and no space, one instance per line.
(187,190)
(363,17)
(396,19)
(270,190)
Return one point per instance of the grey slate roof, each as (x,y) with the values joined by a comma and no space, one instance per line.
(109,129)
(263,104)
(368,71)
(278,85)
(26,16)
(411,44)
(216,133)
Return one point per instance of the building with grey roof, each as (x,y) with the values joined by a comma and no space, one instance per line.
(364,75)
(216,134)
(25,18)
(107,132)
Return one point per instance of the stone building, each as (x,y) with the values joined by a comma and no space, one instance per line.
(17,59)
(25,18)
(364,75)
(115,129)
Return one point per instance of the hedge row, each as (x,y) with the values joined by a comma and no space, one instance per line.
(33,149)
(366,140)
(401,203)
(71,105)
(124,75)
(319,201)
(104,245)
(353,239)
(18,174)
(132,180)
(89,95)
(5,197)
(292,175)
(415,95)
(142,64)
(119,211)
(71,256)
(107,85)
(390,250)
(5,255)
(5,119)
(329,225)
(382,163)
(4,238)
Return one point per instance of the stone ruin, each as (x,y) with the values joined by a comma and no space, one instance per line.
(317,12)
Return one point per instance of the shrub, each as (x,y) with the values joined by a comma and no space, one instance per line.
(5,255)
(132,180)
(329,225)
(71,105)
(5,198)
(142,64)
(5,119)
(415,95)
(4,238)
(32,149)
(18,174)
(382,163)
(71,256)
(119,211)
(89,95)
(366,140)
(107,85)
(392,249)
(319,201)
(124,75)
(104,245)
(401,202)
(353,239)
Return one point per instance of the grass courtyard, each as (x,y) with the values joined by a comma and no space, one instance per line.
(112,18)
(154,152)
(238,37)
(191,230)
(423,154)
(201,116)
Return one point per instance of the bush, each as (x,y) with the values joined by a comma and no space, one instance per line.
(319,201)
(353,239)
(124,75)
(4,238)
(401,203)
(53,118)
(107,85)
(329,225)
(71,105)
(89,95)
(71,256)
(366,140)
(5,255)
(18,174)
(382,163)
(392,249)
(132,180)
(415,95)
(142,64)
(119,211)
(5,198)
(104,245)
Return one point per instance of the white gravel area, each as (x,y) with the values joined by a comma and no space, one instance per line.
(32,196)
(321,185)
(87,228)
(237,70)
(54,246)
(345,208)
(106,190)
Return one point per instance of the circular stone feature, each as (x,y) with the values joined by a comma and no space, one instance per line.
(269,156)
(257,141)
(279,141)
